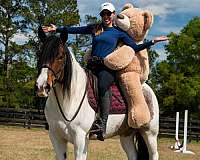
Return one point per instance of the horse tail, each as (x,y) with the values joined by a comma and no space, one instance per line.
(142,150)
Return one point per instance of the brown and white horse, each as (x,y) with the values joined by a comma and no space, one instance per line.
(68,113)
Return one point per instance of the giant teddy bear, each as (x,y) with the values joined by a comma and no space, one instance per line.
(132,68)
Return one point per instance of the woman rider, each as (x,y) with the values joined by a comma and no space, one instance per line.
(104,43)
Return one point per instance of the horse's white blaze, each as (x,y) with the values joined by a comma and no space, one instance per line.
(42,82)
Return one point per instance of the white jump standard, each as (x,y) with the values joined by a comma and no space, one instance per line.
(178,147)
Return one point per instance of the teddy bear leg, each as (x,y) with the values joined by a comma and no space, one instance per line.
(138,111)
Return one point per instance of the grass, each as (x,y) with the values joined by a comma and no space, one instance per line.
(22,144)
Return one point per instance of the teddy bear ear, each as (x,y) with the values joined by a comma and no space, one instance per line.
(127,6)
(148,19)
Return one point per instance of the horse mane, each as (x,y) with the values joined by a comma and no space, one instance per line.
(50,49)
(50,52)
(67,71)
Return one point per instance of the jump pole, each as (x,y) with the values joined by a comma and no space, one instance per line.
(177,143)
(184,149)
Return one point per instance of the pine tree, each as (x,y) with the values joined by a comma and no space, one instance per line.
(18,58)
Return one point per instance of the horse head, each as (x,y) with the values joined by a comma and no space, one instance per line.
(53,62)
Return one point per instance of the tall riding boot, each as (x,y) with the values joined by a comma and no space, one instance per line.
(104,112)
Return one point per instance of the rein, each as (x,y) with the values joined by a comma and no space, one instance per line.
(56,74)
(47,66)
(79,107)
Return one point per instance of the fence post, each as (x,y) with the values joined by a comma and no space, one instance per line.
(25,116)
(190,130)
(29,120)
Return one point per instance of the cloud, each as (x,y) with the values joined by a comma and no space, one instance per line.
(169,29)
(167,7)
(92,7)
(172,14)
(160,10)
(19,38)
(169,15)
(88,7)
(159,7)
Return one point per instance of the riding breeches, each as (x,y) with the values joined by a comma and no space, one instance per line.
(105,80)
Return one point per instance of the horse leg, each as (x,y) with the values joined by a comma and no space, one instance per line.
(127,143)
(150,139)
(59,145)
(81,145)
(150,135)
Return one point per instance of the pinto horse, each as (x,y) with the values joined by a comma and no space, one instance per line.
(69,114)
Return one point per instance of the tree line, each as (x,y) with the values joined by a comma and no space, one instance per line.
(18,58)
(176,80)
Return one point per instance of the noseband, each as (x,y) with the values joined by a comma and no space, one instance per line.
(57,76)
(58,73)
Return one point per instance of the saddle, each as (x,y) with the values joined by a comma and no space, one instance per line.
(118,103)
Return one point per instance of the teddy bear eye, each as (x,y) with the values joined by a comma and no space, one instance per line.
(145,19)
(120,16)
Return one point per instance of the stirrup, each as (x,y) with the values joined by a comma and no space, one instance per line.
(97,130)
(96,126)
(101,136)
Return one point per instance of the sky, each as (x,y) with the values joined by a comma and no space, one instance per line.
(169,15)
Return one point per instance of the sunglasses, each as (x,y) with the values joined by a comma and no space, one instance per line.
(107,13)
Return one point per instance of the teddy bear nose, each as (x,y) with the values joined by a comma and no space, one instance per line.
(120,16)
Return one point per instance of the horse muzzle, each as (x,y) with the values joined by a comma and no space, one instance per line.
(43,91)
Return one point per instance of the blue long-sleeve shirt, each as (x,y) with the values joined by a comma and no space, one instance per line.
(106,42)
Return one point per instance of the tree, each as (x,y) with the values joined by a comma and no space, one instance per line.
(45,12)
(178,77)
(18,59)
(153,55)
(11,24)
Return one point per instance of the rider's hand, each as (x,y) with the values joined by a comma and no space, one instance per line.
(159,39)
(51,28)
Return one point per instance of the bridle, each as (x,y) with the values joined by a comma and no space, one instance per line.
(57,77)
(56,74)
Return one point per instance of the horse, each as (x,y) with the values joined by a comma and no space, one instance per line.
(69,114)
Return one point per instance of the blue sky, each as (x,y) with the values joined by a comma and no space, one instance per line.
(169,15)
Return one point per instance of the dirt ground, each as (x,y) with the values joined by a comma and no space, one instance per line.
(17,143)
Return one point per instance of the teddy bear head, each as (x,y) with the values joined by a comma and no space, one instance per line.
(134,21)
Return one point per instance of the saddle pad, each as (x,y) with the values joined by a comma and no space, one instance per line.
(118,104)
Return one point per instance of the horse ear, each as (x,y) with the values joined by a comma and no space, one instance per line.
(42,36)
(64,36)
